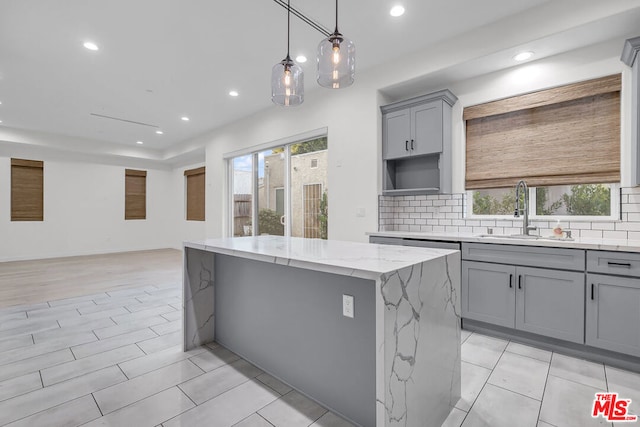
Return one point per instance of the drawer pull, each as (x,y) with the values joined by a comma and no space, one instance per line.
(511,280)
(592,288)
(619,264)
(520,281)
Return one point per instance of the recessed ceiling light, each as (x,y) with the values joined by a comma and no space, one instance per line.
(159,132)
(396,11)
(523,56)
(0,121)
(91,45)
(184,118)
(233,93)
(301,59)
(139,142)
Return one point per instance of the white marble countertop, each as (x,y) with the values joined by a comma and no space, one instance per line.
(577,243)
(333,256)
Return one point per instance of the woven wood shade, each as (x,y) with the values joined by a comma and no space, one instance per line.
(195,194)
(135,194)
(575,141)
(27,184)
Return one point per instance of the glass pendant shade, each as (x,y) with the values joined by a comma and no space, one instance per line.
(287,83)
(336,62)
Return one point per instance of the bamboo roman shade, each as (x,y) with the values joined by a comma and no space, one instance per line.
(561,136)
(27,183)
(195,193)
(135,194)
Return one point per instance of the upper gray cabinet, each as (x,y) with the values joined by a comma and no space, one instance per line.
(630,57)
(416,144)
(413,131)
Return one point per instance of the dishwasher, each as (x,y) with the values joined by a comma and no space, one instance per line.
(404,241)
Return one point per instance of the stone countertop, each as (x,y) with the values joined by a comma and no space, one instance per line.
(576,243)
(332,256)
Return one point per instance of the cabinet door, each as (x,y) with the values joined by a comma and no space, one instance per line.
(426,125)
(613,313)
(397,134)
(550,303)
(488,293)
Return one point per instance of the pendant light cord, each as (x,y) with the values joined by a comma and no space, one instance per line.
(288,26)
(336,16)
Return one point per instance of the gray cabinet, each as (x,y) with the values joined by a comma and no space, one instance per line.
(397,134)
(550,303)
(413,131)
(510,286)
(421,243)
(613,313)
(416,145)
(613,301)
(489,293)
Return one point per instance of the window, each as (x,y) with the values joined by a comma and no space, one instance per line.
(281,190)
(27,183)
(135,194)
(195,194)
(580,201)
(564,142)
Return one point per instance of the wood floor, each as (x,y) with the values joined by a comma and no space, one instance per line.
(29,282)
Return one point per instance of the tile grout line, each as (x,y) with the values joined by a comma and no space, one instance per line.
(544,390)
(99,409)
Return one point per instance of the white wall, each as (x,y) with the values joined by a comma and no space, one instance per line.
(351,116)
(84,212)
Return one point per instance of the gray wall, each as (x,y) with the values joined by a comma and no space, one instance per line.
(289,322)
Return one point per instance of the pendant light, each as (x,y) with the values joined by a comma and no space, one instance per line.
(287,78)
(336,60)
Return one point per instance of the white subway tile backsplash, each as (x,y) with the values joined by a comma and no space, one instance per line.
(628,226)
(603,226)
(614,234)
(577,225)
(592,234)
(446,213)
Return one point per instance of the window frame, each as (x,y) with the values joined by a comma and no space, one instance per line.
(254,152)
(615,209)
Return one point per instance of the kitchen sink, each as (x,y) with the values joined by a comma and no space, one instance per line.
(524,237)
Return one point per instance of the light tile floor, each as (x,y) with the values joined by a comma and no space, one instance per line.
(115,359)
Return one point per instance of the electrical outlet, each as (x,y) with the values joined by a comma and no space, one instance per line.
(347,306)
(361,212)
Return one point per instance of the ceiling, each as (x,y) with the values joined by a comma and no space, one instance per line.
(159,60)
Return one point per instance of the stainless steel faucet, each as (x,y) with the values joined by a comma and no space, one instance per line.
(524,211)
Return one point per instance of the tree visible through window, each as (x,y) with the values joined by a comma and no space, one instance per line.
(560,200)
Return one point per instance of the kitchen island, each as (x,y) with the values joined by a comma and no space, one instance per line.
(387,356)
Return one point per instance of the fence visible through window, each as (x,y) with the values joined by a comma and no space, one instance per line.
(312,196)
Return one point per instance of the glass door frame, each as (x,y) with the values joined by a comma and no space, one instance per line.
(255,151)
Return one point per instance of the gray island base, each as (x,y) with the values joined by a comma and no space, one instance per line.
(278,303)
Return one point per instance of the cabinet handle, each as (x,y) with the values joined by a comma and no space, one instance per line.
(619,264)
(511,280)
(520,281)
(406,145)
(412,144)
(592,289)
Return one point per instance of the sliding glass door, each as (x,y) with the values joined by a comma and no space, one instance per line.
(281,191)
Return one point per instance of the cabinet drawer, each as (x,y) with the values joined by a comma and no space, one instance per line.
(618,263)
(530,256)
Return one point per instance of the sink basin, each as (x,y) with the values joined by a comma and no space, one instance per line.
(524,237)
